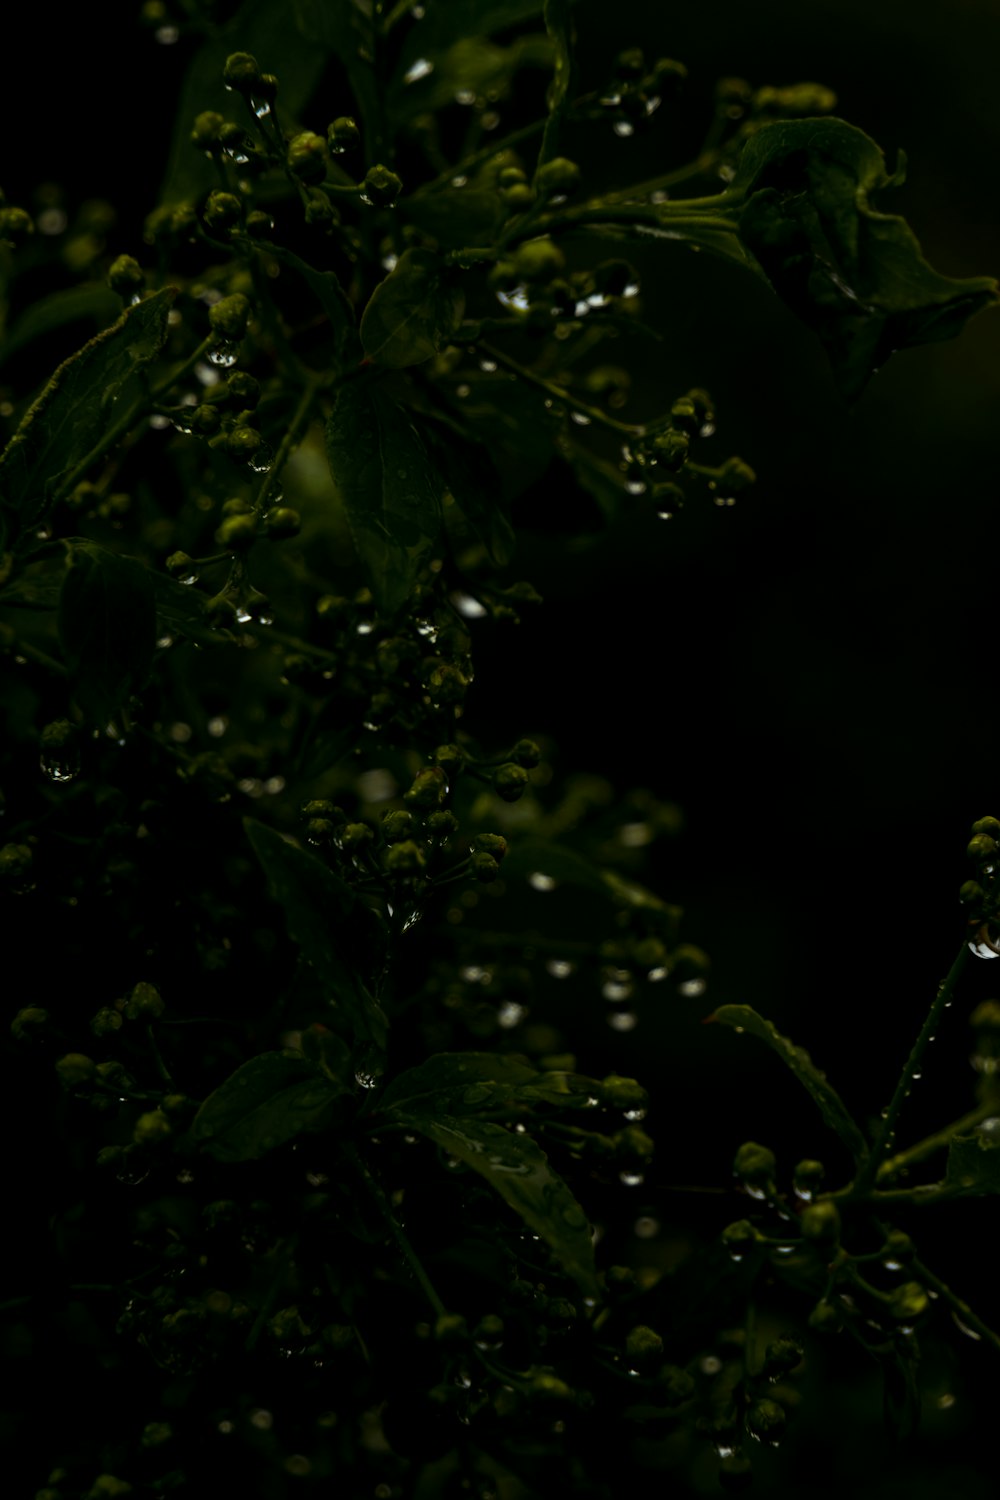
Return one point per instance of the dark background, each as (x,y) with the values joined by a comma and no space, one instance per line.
(810,675)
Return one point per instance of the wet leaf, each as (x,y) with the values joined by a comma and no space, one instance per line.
(79,403)
(179,607)
(390,490)
(413,312)
(95,304)
(559,25)
(107,628)
(974,1164)
(829,1102)
(338,934)
(463,1083)
(326,288)
(855,274)
(519,1171)
(470,474)
(456,216)
(268,1101)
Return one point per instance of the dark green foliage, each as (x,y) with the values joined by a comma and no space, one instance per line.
(107,628)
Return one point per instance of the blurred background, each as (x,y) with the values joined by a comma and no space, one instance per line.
(809,675)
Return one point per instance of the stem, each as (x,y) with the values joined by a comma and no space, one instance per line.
(40,658)
(938,1140)
(395,1228)
(161,1066)
(495,148)
(299,420)
(883,1139)
(957,1305)
(557,392)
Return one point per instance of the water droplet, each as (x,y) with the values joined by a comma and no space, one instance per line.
(636,486)
(166,35)
(559,968)
(223,356)
(623,1020)
(982,949)
(646,1228)
(539,881)
(580,418)
(365,1080)
(418,69)
(262,110)
(62,767)
(631,1179)
(964,1328)
(510,1014)
(635,1114)
(488,365)
(623,128)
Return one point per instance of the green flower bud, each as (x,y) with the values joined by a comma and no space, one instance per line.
(898,1247)
(381,187)
(446,682)
(489,843)
(151,1127)
(307,156)
(982,848)
(509,781)
(144,1003)
(518,197)
(343,134)
(405,858)
(807,1177)
(489,1330)
(319,209)
(222,211)
(259,224)
(237,533)
(114,1074)
(510,176)
(397,825)
(623,1093)
(633,1146)
(242,443)
(320,808)
(825,1318)
(282,523)
(546,1387)
(108,1485)
(205,420)
(451,1328)
(15,225)
(739,1237)
(484,868)
(539,260)
(820,1222)
(29,1024)
(241,389)
(970,892)
(450,758)
(356,835)
(205,132)
(106,1022)
(782,1356)
(526,753)
(229,318)
(241,72)
(75,1068)
(428,789)
(15,861)
(908,1301)
(320,830)
(560,175)
(643,1347)
(125,276)
(671,449)
(735,475)
(755,1165)
(441,822)
(766,1420)
(986,1016)
(288,1323)
(990,826)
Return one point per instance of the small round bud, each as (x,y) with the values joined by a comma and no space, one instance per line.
(633,1146)
(441,822)
(782,1356)
(735,475)
(510,176)
(205,132)
(106,1022)
(151,1127)
(29,1024)
(755,1165)
(241,72)
(908,1301)
(970,892)
(539,260)
(237,505)
(221,211)
(446,682)
(484,868)
(319,209)
(320,830)
(820,1222)
(282,523)
(898,1247)
(740,1237)
(766,1420)
(451,1328)
(807,1177)
(381,187)
(397,825)
(259,224)
(428,789)
(242,442)
(15,225)
(982,848)
(145,1003)
(489,1330)
(550,1388)
(237,533)
(307,156)
(205,420)
(15,861)
(518,197)
(106,1486)
(644,1347)
(560,175)
(125,276)
(489,843)
(989,826)
(342,134)
(825,1318)
(356,835)
(671,449)
(510,781)
(229,318)
(450,758)
(623,1093)
(405,858)
(526,753)
(75,1068)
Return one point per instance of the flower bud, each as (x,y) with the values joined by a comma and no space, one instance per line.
(151,1128)
(560,175)
(229,317)
(484,868)
(145,1003)
(15,225)
(241,72)
(538,260)
(125,276)
(237,533)
(106,1022)
(205,131)
(527,754)
(75,1068)
(29,1024)
(281,523)
(755,1165)
(908,1301)
(428,789)
(509,781)
(982,848)
(342,134)
(643,1347)
(735,475)
(356,835)
(489,843)
(782,1356)
(451,1328)
(518,197)
(766,1420)
(820,1222)
(307,156)
(441,822)
(222,211)
(381,187)
(808,1177)
(319,209)
(623,1093)
(405,858)
(740,1237)
(450,758)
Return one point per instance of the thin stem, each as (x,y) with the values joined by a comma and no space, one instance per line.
(593,413)
(964,1311)
(938,1140)
(293,643)
(299,420)
(495,148)
(161,1066)
(40,658)
(396,1230)
(884,1138)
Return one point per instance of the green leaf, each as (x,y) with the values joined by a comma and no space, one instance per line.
(829,1102)
(79,403)
(856,275)
(179,606)
(528,857)
(559,25)
(469,66)
(94,304)
(413,312)
(329,293)
(107,628)
(974,1164)
(268,1101)
(517,1168)
(338,934)
(257,26)
(470,473)
(463,1083)
(510,419)
(390,490)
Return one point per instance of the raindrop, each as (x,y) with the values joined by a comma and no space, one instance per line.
(539,881)
(418,69)
(623,128)
(692,987)
(488,365)
(166,35)
(218,726)
(635,1114)
(623,1020)
(262,110)
(580,418)
(510,1014)
(223,356)
(964,1328)
(646,1228)
(365,1080)
(60,767)
(636,486)
(631,1179)
(982,949)
(559,968)
(710,1365)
